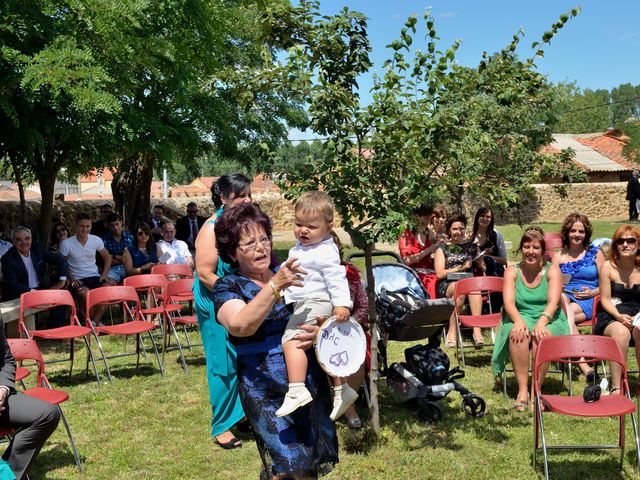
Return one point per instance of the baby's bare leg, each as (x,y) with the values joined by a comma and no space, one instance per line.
(296,361)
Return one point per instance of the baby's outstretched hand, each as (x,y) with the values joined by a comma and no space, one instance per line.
(341,314)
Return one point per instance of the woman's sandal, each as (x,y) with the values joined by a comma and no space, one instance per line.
(521,405)
(231,444)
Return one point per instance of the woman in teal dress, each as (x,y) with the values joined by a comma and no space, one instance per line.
(531,311)
(226,410)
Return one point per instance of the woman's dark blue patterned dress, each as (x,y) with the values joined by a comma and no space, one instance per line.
(303,443)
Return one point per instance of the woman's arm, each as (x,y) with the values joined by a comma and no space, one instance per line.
(128,262)
(520,331)
(207,255)
(404,247)
(242,319)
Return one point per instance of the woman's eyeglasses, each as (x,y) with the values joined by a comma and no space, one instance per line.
(143,234)
(629,240)
(251,246)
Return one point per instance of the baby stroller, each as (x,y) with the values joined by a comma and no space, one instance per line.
(406,314)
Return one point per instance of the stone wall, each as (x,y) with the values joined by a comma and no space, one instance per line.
(603,201)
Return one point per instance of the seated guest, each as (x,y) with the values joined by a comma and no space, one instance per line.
(438,225)
(100,227)
(187,228)
(458,257)
(25,266)
(59,232)
(416,249)
(579,262)
(247,304)
(490,241)
(35,419)
(4,245)
(171,250)
(620,296)
(142,256)
(115,241)
(80,252)
(531,312)
(156,221)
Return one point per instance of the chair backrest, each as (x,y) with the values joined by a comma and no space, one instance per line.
(553,243)
(180,269)
(571,348)
(483,284)
(27,349)
(44,300)
(112,295)
(145,281)
(177,287)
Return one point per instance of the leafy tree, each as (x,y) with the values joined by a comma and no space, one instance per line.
(56,97)
(625,103)
(300,158)
(431,128)
(585,111)
(631,150)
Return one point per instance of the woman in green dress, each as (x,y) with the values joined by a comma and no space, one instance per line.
(531,312)
(226,410)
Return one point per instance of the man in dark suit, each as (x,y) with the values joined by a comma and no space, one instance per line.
(24,266)
(156,221)
(633,194)
(187,228)
(36,419)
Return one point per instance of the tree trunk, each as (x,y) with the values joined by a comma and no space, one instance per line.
(47,180)
(131,188)
(373,329)
(18,177)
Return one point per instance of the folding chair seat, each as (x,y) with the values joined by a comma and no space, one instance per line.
(480,286)
(133,324)
(27,349)
(568,349)
(45,300)
(177,293)
(181,270)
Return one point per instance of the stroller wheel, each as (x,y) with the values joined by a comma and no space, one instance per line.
(473,405)
(429,412)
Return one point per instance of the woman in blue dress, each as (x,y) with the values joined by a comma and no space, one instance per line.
(248,304)
(226,410)
(142,256)
(579,263)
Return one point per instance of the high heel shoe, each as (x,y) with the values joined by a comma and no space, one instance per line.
(231,444)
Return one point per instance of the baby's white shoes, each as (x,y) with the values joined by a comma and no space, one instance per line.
(296,397)
(343,398)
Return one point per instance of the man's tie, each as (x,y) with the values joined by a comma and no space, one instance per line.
(194,230)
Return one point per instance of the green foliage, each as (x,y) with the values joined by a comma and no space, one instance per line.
(625,103)
(583,111)
(433,128)
(631,150)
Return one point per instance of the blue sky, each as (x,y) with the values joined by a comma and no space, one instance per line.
(600,48)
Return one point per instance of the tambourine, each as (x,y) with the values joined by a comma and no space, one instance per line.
(341,347)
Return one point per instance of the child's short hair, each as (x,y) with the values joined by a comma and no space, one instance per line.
(315,202)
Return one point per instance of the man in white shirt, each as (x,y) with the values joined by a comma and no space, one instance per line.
(171,249)
(80,253)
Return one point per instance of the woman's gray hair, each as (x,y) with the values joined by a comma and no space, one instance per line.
(20,228)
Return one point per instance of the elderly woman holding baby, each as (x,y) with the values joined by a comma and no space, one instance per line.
(247,304)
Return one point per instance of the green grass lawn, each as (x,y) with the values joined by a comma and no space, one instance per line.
(147,427)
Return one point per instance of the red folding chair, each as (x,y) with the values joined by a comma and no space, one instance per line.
(568,349)
(553,243)
(47,299)
(133,320)
(150,288)
(484,286)
(27,349)
(177,293)
(181,270)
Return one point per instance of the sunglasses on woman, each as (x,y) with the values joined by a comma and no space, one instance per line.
(629,240)
(143,234)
